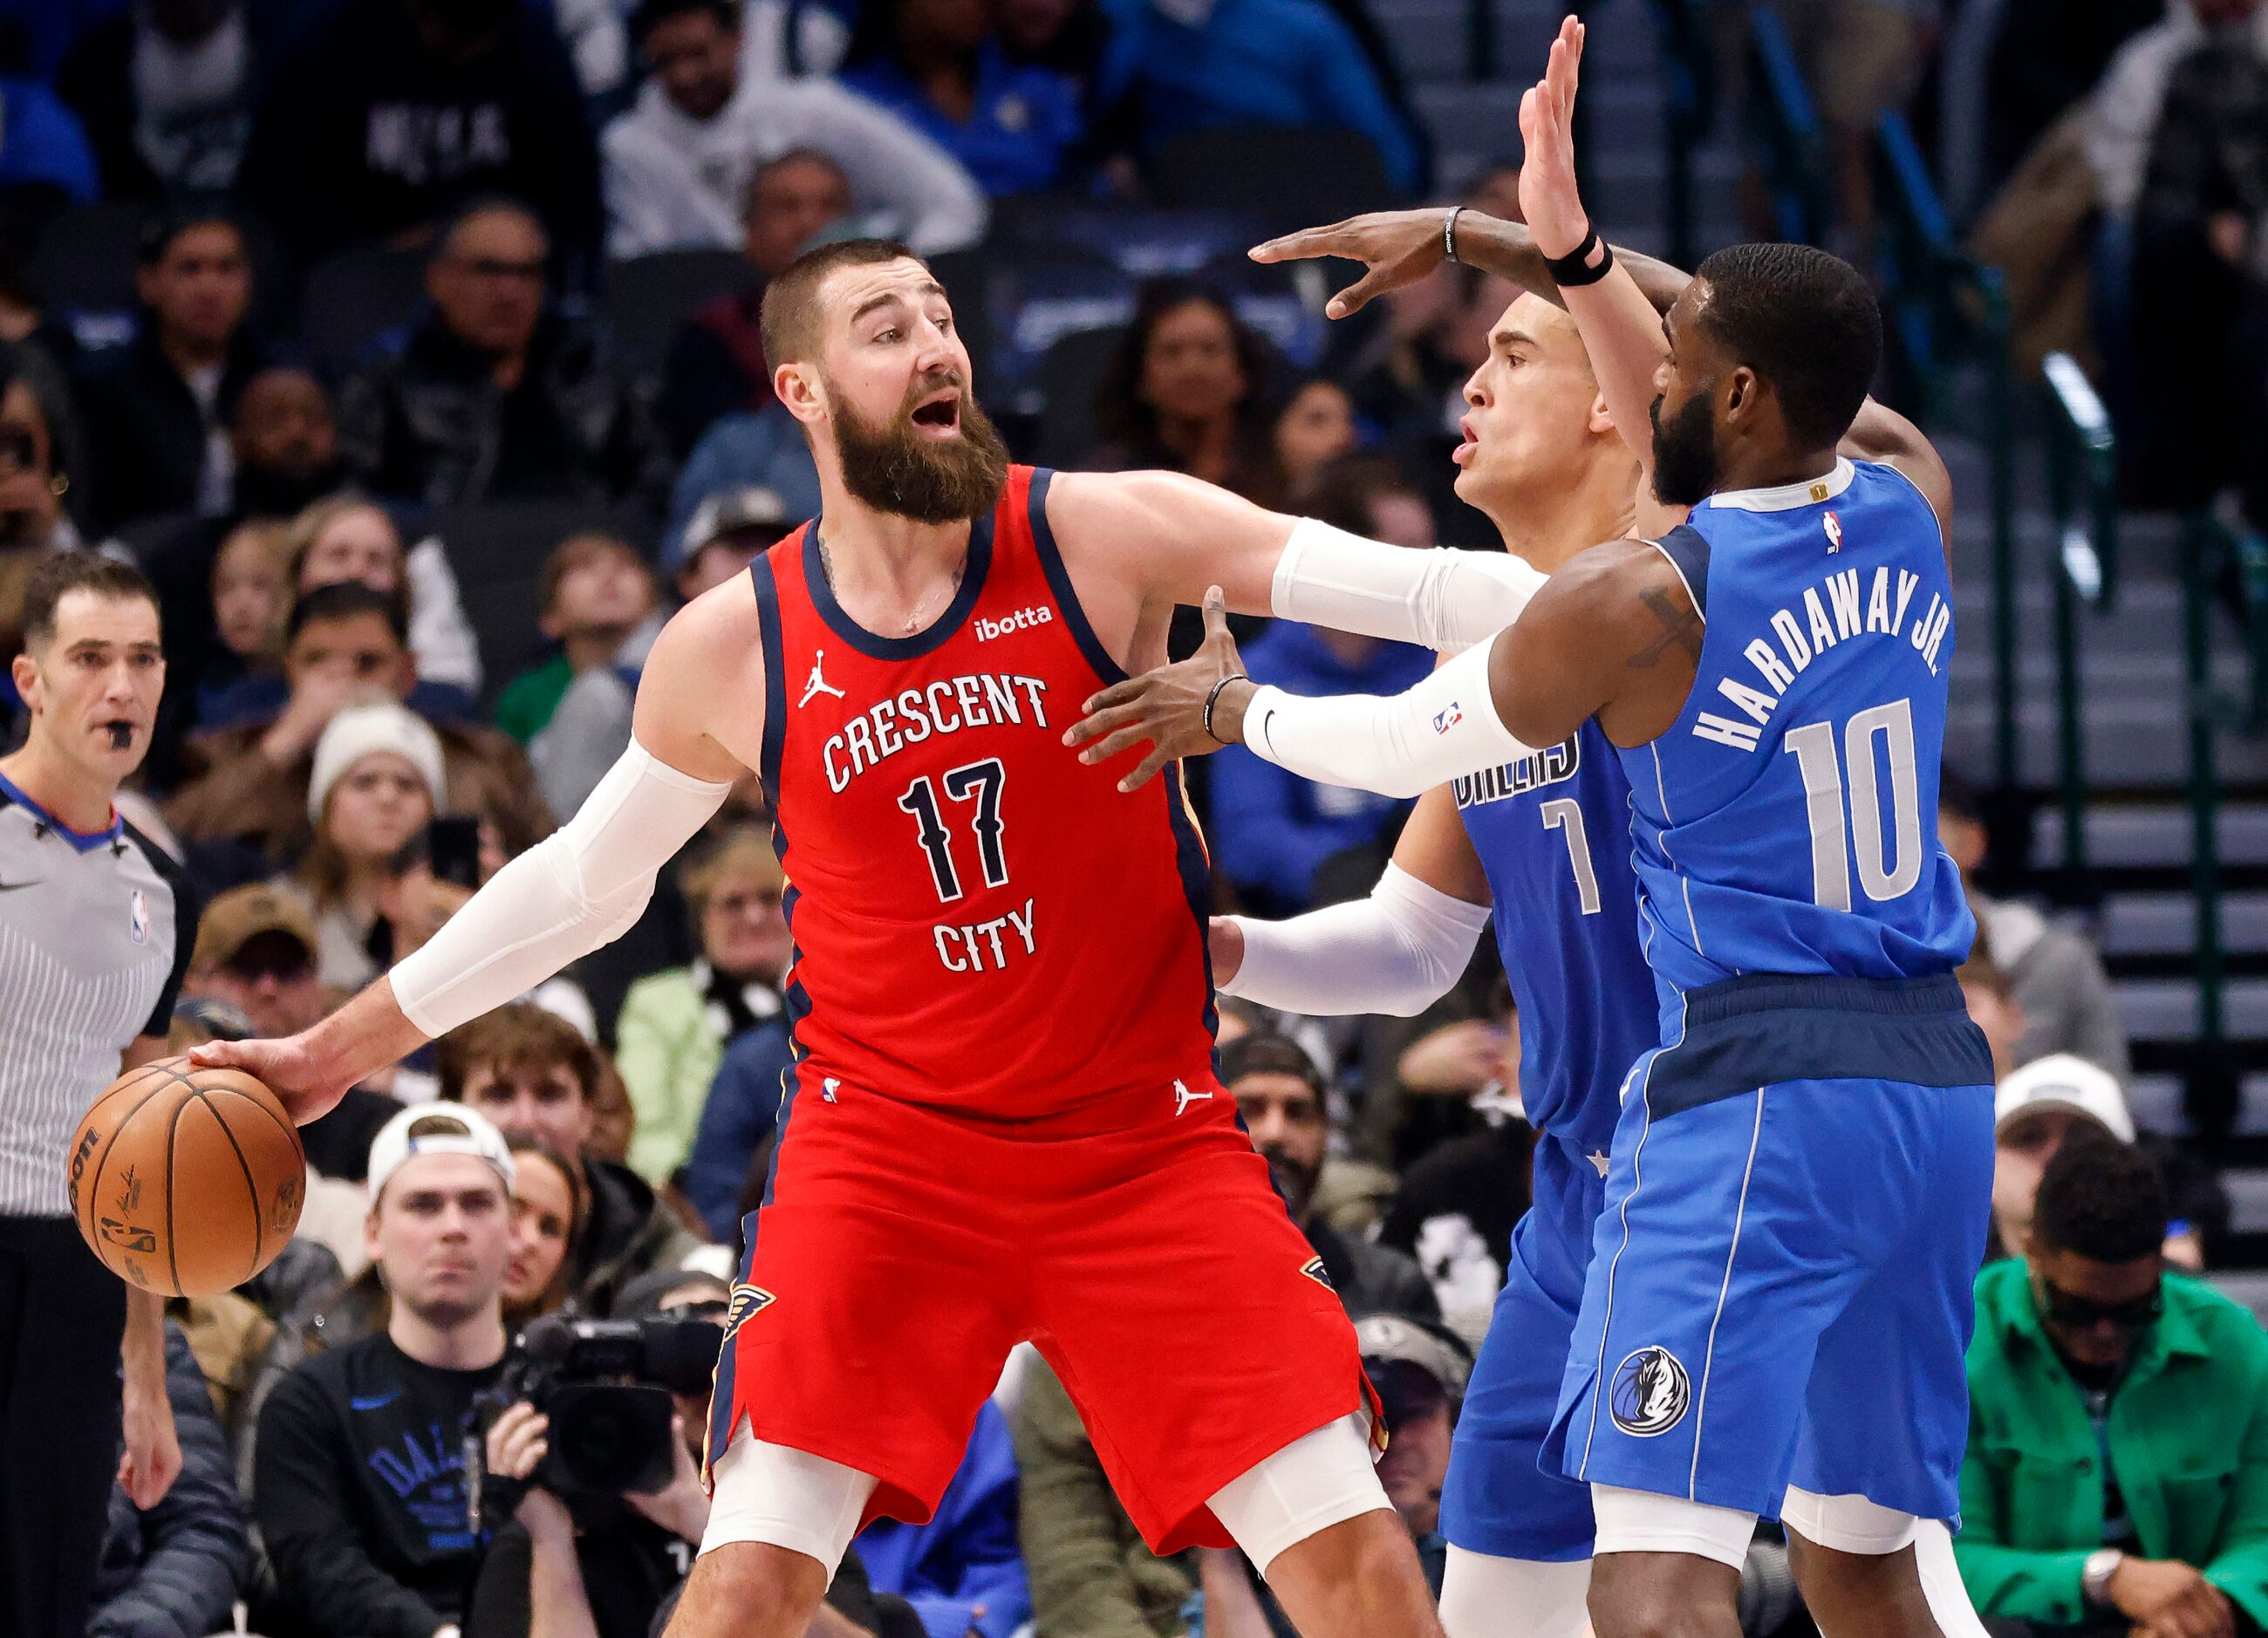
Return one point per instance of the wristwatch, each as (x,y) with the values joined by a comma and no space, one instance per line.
(2094,1574)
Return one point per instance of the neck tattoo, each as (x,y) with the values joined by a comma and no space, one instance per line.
(921,615)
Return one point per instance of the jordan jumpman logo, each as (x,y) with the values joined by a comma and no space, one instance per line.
(818,683)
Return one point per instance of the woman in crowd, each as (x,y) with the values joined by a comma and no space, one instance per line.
(548,1210)
(1314,427)
(250,598)
(1186,391)
(347,537)
(944,67)
(376,784)
(674,1023)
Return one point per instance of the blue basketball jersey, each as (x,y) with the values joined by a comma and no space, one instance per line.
(1552,831)
(1787,822)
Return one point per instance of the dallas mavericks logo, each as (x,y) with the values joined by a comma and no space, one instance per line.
(1649,1393)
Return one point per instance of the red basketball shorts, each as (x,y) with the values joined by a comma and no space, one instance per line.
(904,1249)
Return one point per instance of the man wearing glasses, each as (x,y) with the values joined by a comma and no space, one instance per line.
(2116,1480)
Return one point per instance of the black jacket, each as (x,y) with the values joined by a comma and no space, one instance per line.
(176,1570)
(1372,1279)
(428,423)
(629,1232)
(359,1492)
(145,435)
(363,133)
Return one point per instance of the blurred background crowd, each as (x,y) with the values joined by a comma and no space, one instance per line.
(410,347)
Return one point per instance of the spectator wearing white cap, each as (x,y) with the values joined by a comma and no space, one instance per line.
(2035,1111)
(358,1475)
(376,781)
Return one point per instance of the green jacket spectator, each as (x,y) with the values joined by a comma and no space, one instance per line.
(2174,1475)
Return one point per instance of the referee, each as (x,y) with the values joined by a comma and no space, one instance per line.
(96,926)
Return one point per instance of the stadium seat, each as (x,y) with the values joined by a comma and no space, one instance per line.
(85,259)
(357,294)
(1068,375)
(647,298)
(497,549)
(1278,175)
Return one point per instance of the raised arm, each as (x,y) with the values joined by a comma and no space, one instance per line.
(1157,539)
(580,887)
(1612,635)
(1881,434)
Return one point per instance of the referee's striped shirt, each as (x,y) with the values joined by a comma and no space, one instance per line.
(95,933)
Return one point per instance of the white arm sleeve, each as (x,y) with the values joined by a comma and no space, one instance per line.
(1399,746)
(1446,600)
(1398,951)
(580,888)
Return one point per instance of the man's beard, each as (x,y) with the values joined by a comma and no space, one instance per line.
(894,469)
(1685,465)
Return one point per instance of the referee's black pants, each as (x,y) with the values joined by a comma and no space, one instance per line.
(62,1315)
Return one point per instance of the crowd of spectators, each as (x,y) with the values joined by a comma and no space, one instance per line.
(378,694)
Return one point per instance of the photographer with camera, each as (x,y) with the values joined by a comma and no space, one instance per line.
(358,1486)
(592,1455)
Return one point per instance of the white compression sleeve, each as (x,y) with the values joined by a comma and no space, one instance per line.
(578,888)
(1399,746)
(1445,600)
(1398,951)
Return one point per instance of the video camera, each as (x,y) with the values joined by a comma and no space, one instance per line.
(605,1384)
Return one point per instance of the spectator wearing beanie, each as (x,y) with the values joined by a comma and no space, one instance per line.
(2116,1476)
(376,783)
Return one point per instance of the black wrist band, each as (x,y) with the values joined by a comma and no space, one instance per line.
(1572,270)
(1449,232)
(1213,697)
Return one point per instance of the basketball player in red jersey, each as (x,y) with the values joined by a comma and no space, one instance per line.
(1002,1122)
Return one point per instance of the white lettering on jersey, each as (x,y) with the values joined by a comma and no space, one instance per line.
(947,706)
(1023,619)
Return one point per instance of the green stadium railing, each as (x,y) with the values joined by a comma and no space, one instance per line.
(2082,488)
(1785,133)
(1689,110)
(1946,321)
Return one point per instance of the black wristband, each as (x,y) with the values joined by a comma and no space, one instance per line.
(1572,270)
(1211,697)
(1449,234)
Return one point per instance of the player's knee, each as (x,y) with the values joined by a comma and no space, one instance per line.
(749,1590)
(1662,1594)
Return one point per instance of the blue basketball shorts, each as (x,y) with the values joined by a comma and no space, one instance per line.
(1498,1499)
(1780,1288)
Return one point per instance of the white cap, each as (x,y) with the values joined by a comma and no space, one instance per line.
(436,1129)
(356,732)
(2064,1081)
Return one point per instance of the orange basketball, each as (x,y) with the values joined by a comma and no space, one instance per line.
(185,1180)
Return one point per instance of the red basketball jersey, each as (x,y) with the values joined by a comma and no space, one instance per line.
(980,920)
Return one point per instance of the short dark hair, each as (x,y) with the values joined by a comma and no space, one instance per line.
(58,574)
(519,1035)
(1348,489)
(779,162)
(1264,1052)
(652,14)
(791,310)
(1805,322)
(176,217)
(2101,1198)
(484,204)
(347,599)
(1958,797)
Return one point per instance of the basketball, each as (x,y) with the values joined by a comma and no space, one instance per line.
(186,1182)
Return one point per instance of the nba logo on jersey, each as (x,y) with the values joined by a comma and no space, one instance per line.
(1834,527)
(138,917)
(1445,720)
(1649,1393)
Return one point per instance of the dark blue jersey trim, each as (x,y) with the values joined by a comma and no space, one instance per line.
(881,648)
(1687,548)
(768,633)
(1051,564)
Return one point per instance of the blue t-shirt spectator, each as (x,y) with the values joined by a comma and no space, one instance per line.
(1271,829)
(1289,62)
(963,1571)
(1023,120)
(743,1107)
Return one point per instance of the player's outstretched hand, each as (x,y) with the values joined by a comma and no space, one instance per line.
(286,1067)
(1166,707)
(1548,194)
(1398,247)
